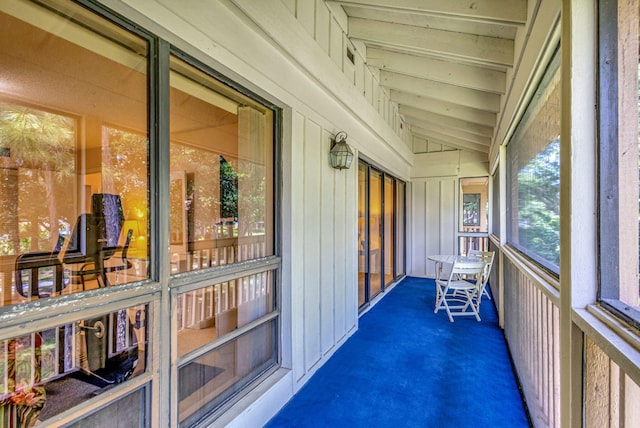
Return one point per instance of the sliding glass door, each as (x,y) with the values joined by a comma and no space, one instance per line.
(375,232)
(389,230)
(380,223)
(363,213)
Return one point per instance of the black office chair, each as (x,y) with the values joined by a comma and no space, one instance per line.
(94,240)
(97,239)
(38,274)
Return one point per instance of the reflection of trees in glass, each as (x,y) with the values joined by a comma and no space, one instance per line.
(124,169)
(41,146)
(176,210)
(252,178)
(228,190)
(471,209)
(539,204)
(203,190)
(124,172)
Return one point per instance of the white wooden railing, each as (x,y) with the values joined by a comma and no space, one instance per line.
(532,329)
(199,308)
(472,241)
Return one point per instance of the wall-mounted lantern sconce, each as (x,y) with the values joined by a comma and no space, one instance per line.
(341,154)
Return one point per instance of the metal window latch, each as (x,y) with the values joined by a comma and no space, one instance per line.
(98,328)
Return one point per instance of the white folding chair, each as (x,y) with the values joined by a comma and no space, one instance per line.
(487,257)
(459,296)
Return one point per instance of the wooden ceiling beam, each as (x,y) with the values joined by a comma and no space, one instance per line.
(460,133)
(490,51)
(411,113)
(434,137)
(441,91)
(468,76)
(444,108)
(499,11)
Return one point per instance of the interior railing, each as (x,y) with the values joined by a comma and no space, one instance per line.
(472,241)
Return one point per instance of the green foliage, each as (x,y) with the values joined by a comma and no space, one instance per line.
(38,139)
(41,146)
(539,204)
(228,190)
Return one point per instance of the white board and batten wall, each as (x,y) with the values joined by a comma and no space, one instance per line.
(433,210)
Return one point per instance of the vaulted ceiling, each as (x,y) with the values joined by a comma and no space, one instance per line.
(444,62)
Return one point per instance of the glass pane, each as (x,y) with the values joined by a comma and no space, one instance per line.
(400,221)
(51,371)
(475,204)
(73,149)
(389,241)
(533,175)
(221,173)
(496,204)
(362,233)
(375,232)
(126,412)
(209,381)
(211,312)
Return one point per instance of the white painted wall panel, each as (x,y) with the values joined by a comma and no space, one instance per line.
(323,26)
(448,215)
(340,250)
(350,245)
(432,218)
(368,85)
(433,222)
(339,233)
(306,14)
(359,73)
(335,50)
(418,227)
(291,5)
(375,95)
(312,219)
(297,245)
(327,246)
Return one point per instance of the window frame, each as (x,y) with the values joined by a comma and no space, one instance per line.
(539,261)
(610,76)
(189,281)
(159,290)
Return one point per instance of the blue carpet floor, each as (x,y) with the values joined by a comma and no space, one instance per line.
(409,367)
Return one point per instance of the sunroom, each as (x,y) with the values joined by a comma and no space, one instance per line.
(177,248)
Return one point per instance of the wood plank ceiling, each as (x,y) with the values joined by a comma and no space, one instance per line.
(444,62)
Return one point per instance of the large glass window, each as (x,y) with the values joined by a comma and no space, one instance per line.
(213,371)
(47,372)
(221,213)
(80,142)
(74,173)
(74,186)
(221,173)
(619,162)
(533,175)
